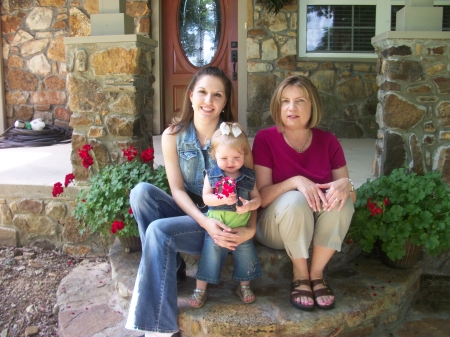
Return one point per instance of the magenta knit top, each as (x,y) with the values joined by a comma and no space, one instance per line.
(324,155)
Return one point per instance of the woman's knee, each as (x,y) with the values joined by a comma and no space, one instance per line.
(139,190)
(295,198)
(142,194)
(344,216)
(293,208)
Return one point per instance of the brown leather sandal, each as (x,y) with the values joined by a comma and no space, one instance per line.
(322,292)
(296,293)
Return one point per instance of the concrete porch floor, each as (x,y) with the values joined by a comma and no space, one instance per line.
(43,166)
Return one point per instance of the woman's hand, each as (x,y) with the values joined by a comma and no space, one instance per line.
(338,192)
(223,235)
(312,193)
(233,238)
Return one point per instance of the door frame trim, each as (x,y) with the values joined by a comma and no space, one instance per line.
(242,63)
(158,123)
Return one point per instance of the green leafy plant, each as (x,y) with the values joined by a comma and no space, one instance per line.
(105,206)
(274,5)
(402,207)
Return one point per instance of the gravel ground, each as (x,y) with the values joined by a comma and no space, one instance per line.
(29,279)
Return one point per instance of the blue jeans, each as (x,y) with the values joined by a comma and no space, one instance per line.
(246,264)
(164,230)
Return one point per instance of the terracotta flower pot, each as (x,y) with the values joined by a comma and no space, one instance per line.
(131,243)
(407,261)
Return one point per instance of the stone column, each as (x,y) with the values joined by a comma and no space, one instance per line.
(110,95)
(413,112)
(109,87)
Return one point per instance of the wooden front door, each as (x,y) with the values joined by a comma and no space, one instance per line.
(185,53)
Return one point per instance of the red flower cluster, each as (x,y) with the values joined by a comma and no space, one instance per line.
(57,189)
(130,152)
(224,187)
(117,226)
(376,208)
(86,158)
(148,155)
(69,178)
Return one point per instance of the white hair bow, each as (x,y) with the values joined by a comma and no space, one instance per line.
(234,129)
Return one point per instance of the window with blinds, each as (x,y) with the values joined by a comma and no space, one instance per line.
(343,29)
(340,28)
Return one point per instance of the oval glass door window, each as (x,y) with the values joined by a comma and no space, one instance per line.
(200,24)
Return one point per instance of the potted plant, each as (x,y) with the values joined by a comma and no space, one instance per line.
(105,207)
(402,210)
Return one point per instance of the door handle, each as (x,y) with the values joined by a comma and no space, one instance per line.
(234,59)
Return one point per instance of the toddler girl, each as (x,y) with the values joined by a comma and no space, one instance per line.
(230,192)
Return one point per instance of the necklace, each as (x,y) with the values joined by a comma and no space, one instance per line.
(301,150)
(205,140)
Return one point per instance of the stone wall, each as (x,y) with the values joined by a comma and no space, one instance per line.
(348,89)
(34,53)
(29,215)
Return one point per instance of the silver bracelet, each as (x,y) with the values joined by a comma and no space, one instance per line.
(353,186)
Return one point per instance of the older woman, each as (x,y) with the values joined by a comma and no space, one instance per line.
(306,192)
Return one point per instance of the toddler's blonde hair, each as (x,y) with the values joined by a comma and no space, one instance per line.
(239,143)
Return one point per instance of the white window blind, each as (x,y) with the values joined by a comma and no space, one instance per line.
(343,29)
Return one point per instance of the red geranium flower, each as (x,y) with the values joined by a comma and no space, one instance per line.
(117,226)
(148,155)
(224,187)
(374,207)
(69,178)
(86,158)
(130,211)
(57,189)
(130,152)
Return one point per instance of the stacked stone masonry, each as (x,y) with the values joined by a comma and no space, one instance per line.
(48,223)
(111,97)
(414,105)
(34,53)
(348,89)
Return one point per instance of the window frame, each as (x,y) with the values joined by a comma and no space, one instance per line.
(382,24)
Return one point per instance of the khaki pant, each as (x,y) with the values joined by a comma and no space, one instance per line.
(289,223)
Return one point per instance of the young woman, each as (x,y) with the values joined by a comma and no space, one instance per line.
(227,183)
(177,223)
(306,193)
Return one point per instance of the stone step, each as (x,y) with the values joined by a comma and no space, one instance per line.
(370,298)
(275,264)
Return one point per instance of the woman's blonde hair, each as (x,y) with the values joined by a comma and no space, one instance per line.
(239,143)
(308,89)
(181,122)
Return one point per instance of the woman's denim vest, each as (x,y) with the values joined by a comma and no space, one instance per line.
(190,158)
(244,185)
